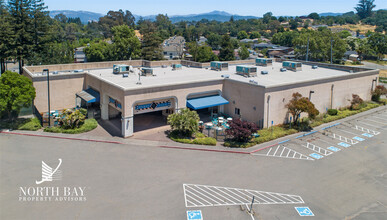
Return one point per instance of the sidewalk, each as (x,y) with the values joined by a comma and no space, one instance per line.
(175,145)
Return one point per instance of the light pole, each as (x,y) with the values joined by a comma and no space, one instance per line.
(48,95)
(310,94)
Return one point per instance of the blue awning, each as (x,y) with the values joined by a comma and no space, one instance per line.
(89,95)
(206,102)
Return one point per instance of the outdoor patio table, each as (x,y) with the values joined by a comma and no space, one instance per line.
(229,119)
(220,118)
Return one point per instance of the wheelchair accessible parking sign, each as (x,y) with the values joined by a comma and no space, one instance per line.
(304,211)
(194,215)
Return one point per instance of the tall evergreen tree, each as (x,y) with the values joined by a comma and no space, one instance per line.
(151,43)
(364,8)
(40,19)
(6,36)
(22,28)
(227,49)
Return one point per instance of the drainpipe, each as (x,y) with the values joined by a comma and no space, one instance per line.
(268,110)
(332,95)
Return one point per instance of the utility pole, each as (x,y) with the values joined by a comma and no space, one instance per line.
(307,50)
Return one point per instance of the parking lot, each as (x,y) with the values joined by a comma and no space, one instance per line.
(328,174)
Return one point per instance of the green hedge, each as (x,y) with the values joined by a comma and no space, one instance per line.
(31,124)
(89,125)
(200,139)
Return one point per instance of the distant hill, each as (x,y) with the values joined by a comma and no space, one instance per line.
(221,16)
(330,14)
(85,16)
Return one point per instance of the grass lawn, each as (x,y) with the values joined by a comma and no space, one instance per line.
(383,73)
(89,125)
(381,62)
(199,138)
(31,124)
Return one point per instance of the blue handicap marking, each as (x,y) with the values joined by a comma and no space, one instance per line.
(358,138)
(304,211)
(194,215)
(332,148)
(316,156)
(367,135)
(344,144)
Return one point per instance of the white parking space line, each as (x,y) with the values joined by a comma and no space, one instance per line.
(342,138)
(317,149)
(204,196)
(282,152)
(367,124)
(379,118)
(363,129)
(378,122)
(348,132)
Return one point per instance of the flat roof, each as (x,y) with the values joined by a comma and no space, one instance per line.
(167,76)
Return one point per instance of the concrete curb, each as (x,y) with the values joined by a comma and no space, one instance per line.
(203,149)
(67,138)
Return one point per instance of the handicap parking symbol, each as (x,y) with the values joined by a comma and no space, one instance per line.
(316,156)
(367,135)
(304,211)
(332,148)
(344,144)
(194,215)
(358,138)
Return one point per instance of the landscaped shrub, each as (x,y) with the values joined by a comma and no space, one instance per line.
(88,125)
(332,111)
(357,102)
(31,124)
(186,122)
(241,130)
(71,119)
(379,91)
(199,138)
(298,105)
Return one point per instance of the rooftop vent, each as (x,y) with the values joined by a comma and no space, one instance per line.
(78,71)
(226,76)
(55,72)
(264,72)
(314,67)
(125,75)
(253,82)
(283,69)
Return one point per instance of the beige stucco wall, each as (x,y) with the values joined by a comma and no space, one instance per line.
(343,88)
(62,91)
(247,97)
(179,92)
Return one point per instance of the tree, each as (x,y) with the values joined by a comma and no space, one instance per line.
(201,53)
(115,18)
(227,49)
(164,26)
(242,35)
(16,91)
(241,130)
(267,17)
(243,53)
(298,105)
(379,91)
(314,16)
(99,51)
(378,42)
(151,43)
(255,34)
(186,122)
(125,43)
(6,36)
(214,41)
(22,27)
(364,8)
(356,102)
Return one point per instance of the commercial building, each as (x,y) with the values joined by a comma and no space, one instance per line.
(156,87)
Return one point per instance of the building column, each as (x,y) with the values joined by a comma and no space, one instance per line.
(221,109)
(104,108)
(127,126)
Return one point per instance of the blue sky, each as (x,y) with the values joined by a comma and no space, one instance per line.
(241,7)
